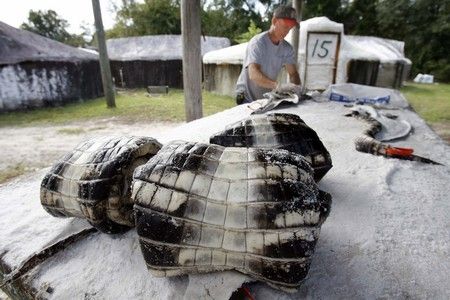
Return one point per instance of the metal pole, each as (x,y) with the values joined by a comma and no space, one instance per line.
(192,64)
(104,61)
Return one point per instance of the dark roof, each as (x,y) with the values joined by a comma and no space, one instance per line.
(18,45)
(158,47)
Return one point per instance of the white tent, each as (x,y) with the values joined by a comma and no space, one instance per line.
(222,68)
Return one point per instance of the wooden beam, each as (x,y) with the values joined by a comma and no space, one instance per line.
(298,5)
(192,64)
(108,88)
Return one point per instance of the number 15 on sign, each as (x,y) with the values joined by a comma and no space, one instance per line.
(322,48)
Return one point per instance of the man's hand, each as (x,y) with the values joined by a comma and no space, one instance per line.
(285,88)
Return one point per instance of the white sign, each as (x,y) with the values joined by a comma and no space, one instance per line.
(321,59)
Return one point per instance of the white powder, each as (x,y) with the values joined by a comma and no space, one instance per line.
(387,235)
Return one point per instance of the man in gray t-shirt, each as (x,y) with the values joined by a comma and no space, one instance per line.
(266,54)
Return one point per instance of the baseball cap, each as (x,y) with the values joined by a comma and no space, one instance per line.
(287,13)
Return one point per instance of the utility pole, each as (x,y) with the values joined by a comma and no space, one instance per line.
(298,5)
(192,64)
(104,61)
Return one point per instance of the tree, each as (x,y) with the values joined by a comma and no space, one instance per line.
(360,17)
(226,18)
(333,9)
(49,24)
(231,18)
(424,25)
(252,31)
(148,18)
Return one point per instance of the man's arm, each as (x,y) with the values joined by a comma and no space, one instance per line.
(293,74)
(256,75)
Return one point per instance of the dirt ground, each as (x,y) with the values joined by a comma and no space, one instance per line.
(25,149)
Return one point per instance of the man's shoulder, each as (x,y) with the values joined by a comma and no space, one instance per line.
(259,38)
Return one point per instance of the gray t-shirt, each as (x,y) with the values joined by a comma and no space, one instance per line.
(270,57)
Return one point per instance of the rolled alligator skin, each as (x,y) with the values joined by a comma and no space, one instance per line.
(94,181)
(205,208)
(279,131)
(367,142)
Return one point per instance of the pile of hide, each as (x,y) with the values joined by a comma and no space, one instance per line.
(248,201)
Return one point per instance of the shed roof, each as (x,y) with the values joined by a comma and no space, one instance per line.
(17,45)
(157,47)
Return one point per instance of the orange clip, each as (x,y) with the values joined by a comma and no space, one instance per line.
(395,151)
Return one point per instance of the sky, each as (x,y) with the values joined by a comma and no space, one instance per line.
(15,12)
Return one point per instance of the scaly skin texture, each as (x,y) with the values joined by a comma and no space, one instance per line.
(204,208)
(278,131)
(93,181)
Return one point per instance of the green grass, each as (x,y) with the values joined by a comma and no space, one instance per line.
(430,101)
(131,106)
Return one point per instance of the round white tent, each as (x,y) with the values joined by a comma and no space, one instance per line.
(222,68)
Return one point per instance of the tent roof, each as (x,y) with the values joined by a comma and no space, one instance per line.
(322,24)
(157,47)
(17,45)
(373,48)
(353,47)
(230,55)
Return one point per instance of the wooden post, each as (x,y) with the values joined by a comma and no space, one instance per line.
(298,5)
(192,64)
(104,61)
